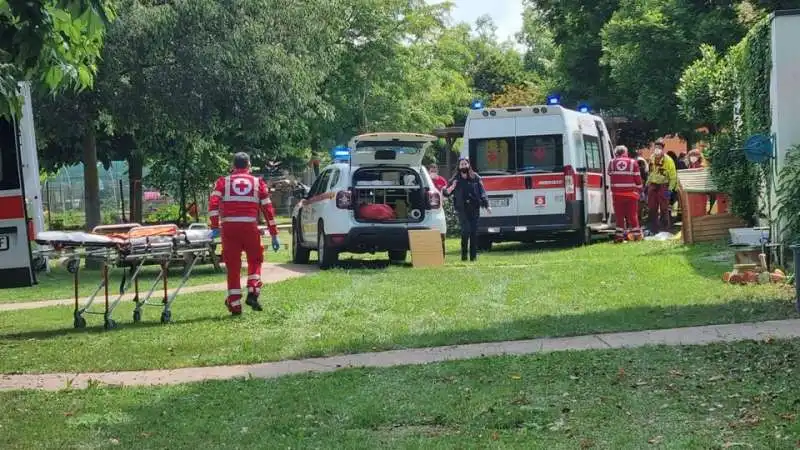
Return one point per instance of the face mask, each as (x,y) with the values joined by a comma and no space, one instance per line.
(693,159)
(658,152)
(464,169)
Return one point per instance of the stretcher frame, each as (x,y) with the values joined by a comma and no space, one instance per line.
(132,257)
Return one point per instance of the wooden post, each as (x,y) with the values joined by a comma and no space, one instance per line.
(686,207)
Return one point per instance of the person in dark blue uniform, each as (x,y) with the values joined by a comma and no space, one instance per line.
(469,197)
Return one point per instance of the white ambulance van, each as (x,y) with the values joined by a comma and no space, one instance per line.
(544,170)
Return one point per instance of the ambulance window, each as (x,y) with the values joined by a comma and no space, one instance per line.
(492,156)
(9,171)
(594,161)
(540,154)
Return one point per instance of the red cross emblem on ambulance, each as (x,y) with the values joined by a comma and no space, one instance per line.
(242,187)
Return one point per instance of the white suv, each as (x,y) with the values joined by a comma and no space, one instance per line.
(379,169)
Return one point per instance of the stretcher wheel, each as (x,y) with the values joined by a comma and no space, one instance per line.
(79,322)
(137,316)
(166,317)
(109,324)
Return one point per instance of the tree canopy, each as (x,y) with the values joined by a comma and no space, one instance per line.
(55,41)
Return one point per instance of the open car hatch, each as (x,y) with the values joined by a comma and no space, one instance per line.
(396,149)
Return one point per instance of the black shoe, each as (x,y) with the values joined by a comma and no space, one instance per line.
(252,301)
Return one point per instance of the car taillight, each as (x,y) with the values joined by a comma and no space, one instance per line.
(569,183)
(434,199)
(344,200)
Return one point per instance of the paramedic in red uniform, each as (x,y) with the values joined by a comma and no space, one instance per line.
(626,185)
(234,205)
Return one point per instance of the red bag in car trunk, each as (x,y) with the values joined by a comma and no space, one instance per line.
(377,211)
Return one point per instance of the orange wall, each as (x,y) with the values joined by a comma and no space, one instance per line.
(671,143)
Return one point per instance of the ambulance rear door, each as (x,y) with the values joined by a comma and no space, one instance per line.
(540,164)
(491,148)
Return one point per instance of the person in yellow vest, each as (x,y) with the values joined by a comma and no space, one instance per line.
(661,182)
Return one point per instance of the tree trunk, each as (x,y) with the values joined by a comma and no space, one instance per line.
(136,197)
(91,186)
(182,187)
(91,180)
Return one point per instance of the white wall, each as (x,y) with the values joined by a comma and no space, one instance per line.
(785,84)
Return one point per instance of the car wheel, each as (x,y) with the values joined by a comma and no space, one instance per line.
(398,256)
(300,254)
(328,257)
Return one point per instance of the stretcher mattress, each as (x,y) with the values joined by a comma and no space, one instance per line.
(148,236)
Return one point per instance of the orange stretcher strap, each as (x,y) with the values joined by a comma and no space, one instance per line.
(147,231)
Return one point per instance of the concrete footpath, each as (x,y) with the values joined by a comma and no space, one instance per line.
(270,273)
(782,329)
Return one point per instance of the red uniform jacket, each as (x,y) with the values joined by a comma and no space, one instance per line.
(626,180)
(238,197)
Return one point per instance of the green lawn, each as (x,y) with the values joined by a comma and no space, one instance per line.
(58,283)
(513,293)
(723,396)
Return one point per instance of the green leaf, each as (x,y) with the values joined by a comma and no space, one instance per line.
(84,77)
(53,77)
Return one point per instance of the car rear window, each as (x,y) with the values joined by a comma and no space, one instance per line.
(388,149)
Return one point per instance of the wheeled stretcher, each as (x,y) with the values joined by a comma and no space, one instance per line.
(130,247)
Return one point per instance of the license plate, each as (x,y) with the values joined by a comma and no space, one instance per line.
(498,202)
(3,242)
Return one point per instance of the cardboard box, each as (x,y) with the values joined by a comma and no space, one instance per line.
(426,248)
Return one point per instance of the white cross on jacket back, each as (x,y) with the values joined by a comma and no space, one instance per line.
(238,198)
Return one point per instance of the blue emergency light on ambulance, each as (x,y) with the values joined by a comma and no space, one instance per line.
(340,153)
(553,99)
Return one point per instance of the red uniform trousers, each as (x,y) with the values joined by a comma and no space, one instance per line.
(238,238)
(626,212)
(658,202)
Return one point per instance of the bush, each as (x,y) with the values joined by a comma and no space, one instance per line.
(789,193)
(109,217)
(453,228)
(708,93)
(734,175)
(166,214)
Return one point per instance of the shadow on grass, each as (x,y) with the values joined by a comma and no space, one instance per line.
(618,320)
(98,329)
